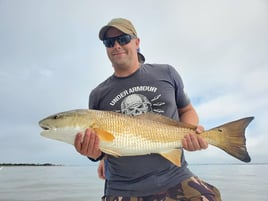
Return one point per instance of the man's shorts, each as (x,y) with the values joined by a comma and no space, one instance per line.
(192,189)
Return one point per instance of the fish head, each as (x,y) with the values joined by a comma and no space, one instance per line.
(65,125)
(69,119)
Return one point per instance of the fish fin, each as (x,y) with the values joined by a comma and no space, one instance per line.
(104,135)
(230,137)
(165,120)
(174,156)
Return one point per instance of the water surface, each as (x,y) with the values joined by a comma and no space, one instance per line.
(80,183)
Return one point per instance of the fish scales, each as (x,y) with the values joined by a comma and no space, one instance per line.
(122,135)
(146,138)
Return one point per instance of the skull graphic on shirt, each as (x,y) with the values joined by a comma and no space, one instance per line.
(135,104)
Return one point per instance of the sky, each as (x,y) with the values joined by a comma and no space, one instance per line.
(51,58)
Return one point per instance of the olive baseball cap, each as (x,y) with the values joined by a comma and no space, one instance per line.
(121,24)
(126,27)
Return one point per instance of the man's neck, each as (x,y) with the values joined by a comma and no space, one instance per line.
(124,71)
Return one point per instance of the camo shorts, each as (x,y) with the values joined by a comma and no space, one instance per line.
(192,189)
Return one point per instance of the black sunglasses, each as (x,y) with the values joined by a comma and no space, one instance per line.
(122,40)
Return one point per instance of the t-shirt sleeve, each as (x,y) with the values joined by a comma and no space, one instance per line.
(92,102)
(182,99)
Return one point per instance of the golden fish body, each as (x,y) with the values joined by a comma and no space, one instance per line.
(122,135)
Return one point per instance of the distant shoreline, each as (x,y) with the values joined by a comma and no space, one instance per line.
(28,164)
(194,164)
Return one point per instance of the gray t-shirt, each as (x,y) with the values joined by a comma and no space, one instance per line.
(152,88)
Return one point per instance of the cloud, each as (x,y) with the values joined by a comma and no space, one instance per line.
(51,58)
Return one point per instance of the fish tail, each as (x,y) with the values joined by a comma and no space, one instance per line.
(230,137)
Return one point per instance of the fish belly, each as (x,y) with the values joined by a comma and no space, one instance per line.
(131,145)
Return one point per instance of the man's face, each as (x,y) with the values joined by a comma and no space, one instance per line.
(121,54)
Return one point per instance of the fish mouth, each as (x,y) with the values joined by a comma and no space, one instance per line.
(45,128)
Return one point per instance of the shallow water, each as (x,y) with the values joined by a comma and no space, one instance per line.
(80,183)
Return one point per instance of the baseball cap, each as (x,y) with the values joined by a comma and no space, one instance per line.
(126,27)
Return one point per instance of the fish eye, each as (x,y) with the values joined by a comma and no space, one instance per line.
(57,116)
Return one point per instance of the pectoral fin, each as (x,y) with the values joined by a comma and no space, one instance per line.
(104,135)
(173,156)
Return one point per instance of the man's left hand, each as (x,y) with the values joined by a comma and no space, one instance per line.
(194,142)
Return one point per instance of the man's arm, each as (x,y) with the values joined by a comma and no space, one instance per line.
(192,142)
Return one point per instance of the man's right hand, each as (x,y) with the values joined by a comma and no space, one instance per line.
(88,144)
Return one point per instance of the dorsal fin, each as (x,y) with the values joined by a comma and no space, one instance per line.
(165,120)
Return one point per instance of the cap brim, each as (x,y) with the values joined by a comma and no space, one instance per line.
(103,31)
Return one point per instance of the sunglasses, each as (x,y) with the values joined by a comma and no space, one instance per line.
(122,40)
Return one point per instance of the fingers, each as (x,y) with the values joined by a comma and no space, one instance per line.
(190,143)
(88,144)
(199,129)
(78,142)
(89,140)
(193,142)
(203,143)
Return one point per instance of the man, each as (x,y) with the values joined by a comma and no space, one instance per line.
(136,88)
